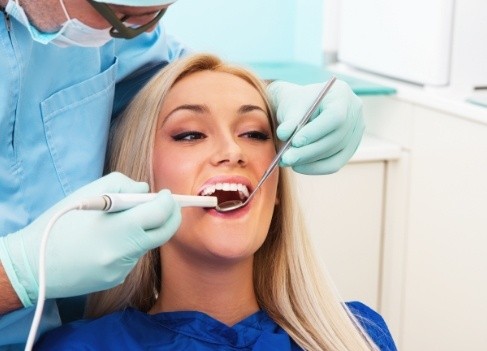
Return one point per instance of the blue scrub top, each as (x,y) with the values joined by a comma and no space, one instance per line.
(55,110)
(134,330)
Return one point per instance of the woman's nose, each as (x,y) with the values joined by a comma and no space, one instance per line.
(229,152)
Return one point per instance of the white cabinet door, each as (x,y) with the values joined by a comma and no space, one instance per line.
(343,212)
(446,284)
(443,297)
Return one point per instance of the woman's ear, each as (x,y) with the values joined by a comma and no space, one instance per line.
(276,203)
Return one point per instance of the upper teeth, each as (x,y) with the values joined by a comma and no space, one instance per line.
(210,189)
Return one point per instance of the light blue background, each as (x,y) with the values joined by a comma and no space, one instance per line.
(279,39)
(251,31)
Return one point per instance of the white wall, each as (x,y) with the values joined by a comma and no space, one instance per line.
(251,31)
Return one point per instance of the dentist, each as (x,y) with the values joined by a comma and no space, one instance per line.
(67,67)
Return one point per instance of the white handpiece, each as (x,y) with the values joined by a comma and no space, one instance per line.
(119,202)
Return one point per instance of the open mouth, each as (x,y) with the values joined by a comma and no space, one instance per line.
(226,192)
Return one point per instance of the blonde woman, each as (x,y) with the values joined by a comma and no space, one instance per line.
(243,280)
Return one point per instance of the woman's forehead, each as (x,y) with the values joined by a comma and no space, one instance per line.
(217,84)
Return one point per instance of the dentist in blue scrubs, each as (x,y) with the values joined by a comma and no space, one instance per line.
(67,67)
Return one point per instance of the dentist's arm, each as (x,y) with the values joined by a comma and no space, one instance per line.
(88,250)
(328,141)
(9,300)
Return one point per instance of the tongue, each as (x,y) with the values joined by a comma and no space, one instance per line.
(224,196)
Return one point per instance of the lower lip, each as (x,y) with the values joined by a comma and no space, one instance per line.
(230,214)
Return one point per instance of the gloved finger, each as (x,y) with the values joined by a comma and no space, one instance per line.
(321,149)
(324,128)
(164,233)
(161,216)
(338,107)
(154,213)
(292,100)
(112,183)
(334,162)
(117,182)
(322,146)
(288,125)
(286,129)
(336,116)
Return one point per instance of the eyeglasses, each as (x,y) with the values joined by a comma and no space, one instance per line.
(119,29)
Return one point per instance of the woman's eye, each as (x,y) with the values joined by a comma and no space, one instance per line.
(188,136)
(256,135)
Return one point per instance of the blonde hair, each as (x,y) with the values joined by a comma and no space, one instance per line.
(288,283)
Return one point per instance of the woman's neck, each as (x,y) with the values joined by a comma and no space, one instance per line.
(224,291)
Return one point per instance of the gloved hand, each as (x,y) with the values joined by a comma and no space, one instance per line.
(330,138)
(88,250)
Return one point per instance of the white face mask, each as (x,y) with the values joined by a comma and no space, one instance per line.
(72,32)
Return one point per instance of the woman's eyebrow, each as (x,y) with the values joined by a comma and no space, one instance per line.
(196,108)
(201,109)
(250,108)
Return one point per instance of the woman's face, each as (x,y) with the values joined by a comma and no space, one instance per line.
(214,138)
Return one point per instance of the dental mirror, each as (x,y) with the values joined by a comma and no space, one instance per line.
(232,205)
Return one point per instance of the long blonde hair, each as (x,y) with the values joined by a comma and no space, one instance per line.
(288,283)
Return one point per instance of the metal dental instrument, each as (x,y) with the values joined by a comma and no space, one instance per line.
(232,205)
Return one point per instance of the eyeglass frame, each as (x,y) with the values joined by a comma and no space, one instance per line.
(119,29)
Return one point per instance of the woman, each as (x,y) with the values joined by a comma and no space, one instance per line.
(243,280)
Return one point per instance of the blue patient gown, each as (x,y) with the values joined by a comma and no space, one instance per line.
(135,330)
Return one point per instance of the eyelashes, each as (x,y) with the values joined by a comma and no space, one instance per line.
(188,136)
(258,135)
(195,135)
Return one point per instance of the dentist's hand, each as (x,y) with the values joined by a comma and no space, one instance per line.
(87,250)
(330,138)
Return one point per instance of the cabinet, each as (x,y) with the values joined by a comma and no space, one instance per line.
(344,215)
(434,282)
(343,212)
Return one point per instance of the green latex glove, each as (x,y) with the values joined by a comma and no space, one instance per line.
(88,250)
(328,141)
